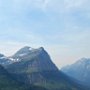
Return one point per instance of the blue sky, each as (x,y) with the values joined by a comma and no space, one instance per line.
(62,27)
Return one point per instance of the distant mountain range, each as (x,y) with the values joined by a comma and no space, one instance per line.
(80,70)
(33,69)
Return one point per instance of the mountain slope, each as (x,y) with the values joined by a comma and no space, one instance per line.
(35,67)
(4,61)
(7,82)
(79,70)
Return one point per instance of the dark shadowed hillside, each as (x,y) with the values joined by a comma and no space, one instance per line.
(7,82)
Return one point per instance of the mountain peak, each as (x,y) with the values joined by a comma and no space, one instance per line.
(1,55)
(79,70)
(26,48)
(27,52)
(23,51)
(83,60)
(38,58)
(42,48)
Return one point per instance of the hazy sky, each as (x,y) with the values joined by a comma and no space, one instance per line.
(62,27)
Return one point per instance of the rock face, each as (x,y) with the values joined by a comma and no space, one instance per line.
(79,70)
(7,82)
(34,59)
(32,62)
(34,66)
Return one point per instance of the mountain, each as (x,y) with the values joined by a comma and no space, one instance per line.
(7,82)
(4,61)
(80,70)
(34,59)
(34,66)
